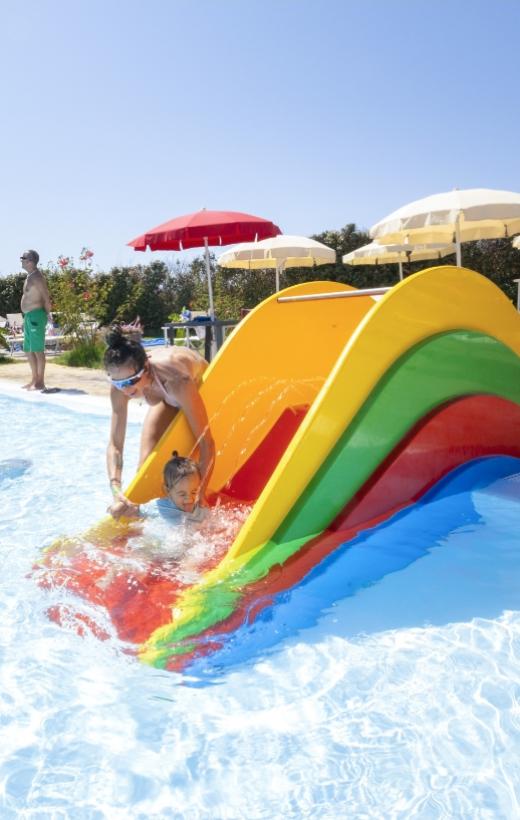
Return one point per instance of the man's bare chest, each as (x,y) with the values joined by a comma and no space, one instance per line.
(30,285)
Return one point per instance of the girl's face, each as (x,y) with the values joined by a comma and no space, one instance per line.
(129,379)
(185,491)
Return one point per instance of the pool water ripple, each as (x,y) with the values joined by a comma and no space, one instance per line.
(394,699)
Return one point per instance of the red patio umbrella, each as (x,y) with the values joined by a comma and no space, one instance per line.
(203,229)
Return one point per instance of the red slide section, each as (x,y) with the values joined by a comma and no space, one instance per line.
(467,428)
(250,480)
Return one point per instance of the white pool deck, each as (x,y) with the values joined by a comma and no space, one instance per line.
(73,399)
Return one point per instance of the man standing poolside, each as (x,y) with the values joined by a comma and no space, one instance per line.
(36,307)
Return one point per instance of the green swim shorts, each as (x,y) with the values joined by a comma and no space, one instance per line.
(34,324)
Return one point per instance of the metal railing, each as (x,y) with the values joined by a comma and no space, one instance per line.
(338,294)
(214,333)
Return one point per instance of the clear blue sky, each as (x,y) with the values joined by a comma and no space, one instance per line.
(117,115)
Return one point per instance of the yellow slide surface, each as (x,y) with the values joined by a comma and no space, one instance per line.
(278,357)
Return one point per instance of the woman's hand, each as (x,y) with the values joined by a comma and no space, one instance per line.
(121,507)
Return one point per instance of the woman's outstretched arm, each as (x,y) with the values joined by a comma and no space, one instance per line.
(120,505)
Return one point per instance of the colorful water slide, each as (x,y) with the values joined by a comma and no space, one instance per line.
(332,414)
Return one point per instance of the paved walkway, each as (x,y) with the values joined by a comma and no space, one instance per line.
(84,379)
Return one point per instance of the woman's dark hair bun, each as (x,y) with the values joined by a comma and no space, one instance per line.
(175,454)
(115,337)
(121,348)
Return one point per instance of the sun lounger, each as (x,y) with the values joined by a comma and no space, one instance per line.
(53,339)
(14,332)
(15,322)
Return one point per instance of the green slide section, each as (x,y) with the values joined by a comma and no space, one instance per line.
(436,371)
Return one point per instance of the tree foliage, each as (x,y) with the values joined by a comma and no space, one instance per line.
(11,293)
(157,291)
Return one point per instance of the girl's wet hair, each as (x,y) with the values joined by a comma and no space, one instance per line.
(179,467)
(121,348)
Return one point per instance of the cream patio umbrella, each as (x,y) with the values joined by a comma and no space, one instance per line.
(455,216)
(278,252)
(376,254)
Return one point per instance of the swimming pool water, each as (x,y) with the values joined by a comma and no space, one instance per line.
(390,696)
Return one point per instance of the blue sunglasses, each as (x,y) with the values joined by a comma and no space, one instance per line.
(120,384)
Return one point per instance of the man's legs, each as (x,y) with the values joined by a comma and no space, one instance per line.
(31,358)
(40,370)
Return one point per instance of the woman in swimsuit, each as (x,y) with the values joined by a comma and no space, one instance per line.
(166,379)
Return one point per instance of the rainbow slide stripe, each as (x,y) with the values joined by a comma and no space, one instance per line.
(329,416)
(418,383)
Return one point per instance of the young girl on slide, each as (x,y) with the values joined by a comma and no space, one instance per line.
(182,481)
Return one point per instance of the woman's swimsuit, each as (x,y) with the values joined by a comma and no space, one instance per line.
(166,397)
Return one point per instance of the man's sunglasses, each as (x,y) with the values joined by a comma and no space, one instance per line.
(120,384)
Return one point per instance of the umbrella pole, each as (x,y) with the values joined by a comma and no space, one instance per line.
(278,268)
(458,254)
(400,270)
(208,274)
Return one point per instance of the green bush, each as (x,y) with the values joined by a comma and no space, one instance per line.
(83,354)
